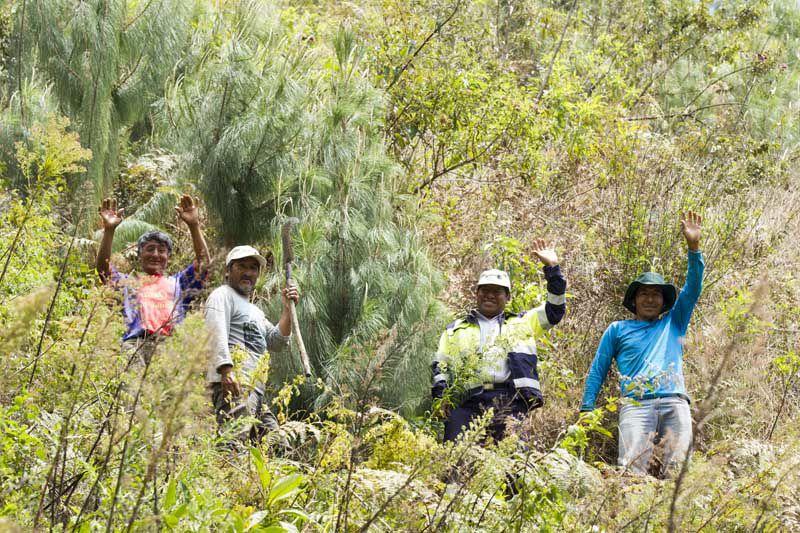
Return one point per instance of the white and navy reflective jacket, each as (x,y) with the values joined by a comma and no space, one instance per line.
(517,339)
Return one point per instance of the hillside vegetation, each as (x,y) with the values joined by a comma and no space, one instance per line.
(418,143)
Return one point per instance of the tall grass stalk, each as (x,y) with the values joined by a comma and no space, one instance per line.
(707,406)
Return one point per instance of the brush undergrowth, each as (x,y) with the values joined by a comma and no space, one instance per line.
(508,124)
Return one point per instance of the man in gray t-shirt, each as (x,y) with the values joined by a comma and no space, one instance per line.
(240,335)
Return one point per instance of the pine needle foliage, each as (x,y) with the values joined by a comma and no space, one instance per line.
(32,103)
(368,273)
(276,127)
(239,113)
(107,61)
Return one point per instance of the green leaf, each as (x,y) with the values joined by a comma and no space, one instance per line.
(171,495)
(181,510)
(255,519)
(238,523)
(263,474)
(297,513)
(285,488)
(284,527)
(288,527)
(220,513)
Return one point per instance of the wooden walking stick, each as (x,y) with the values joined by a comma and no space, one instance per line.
(288,257)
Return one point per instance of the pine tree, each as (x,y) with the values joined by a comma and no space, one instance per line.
(107,61)
(239,114)
(276,128)
(33,105)
(366,274)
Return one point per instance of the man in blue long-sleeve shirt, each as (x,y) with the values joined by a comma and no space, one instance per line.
(649,354)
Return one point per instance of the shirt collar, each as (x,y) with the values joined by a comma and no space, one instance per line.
(474,315)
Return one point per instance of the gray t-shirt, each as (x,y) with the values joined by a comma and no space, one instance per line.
(234,321)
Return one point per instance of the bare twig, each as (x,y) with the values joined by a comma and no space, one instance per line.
(373,369)
(436,29)
(170,430)
(62,441)
(683,114)
(396,493)
(20,63)
(59,283)
(710,400)
(481,153)
(712,83)
(138,15)
(8,253)
(546,79)
(772,491)
(788,381)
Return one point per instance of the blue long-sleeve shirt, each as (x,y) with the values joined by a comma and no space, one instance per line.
(649,354)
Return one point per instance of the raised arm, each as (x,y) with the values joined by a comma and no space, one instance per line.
(691,225)
(289,293)
(556,305)
(111,217)
(278,335)
(189,211)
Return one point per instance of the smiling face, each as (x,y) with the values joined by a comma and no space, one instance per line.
(154,256)
(243,274)
(649,302)
(492,300)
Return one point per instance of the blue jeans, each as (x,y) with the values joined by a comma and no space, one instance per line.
(643,424)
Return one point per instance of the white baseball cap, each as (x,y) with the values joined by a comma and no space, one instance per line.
(240,252)
(495,277)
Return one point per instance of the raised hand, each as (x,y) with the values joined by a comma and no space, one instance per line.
(690,226)
(545,252)
(111,218)
(188,210)
(109,214)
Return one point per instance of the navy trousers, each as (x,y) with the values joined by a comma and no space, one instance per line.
(505,405)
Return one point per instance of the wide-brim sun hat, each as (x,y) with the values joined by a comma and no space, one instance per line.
(242,252)
(650,279)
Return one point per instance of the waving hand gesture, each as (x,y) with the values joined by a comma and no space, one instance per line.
(690,226)
(109,214)
(188,210)
(546,253)
(111,217)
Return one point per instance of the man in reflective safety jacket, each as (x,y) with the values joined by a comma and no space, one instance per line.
(489,357)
